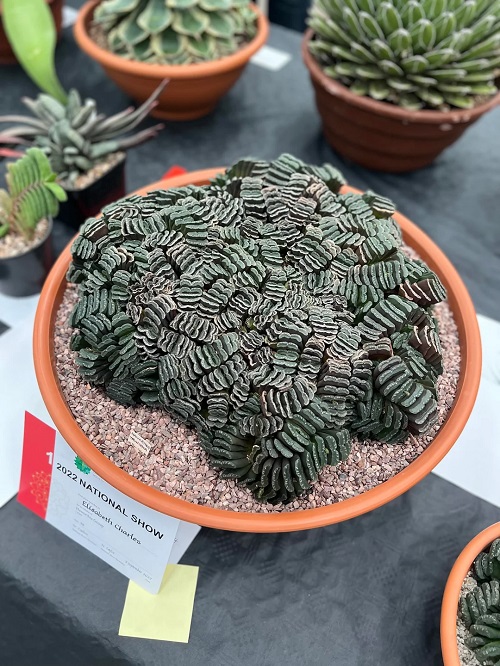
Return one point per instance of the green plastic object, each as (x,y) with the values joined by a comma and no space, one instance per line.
(29,26)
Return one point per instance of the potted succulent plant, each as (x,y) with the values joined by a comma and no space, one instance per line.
(278,313)
(470,616)
(27,207)
(7,55)
(397,82)
(86,149)
(201,46)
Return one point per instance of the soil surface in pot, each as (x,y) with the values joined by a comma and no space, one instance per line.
(176,463)
(466,655)
(14,244)
(97,171)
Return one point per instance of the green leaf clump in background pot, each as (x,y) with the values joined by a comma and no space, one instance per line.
(27,207)
(175,32)
(84,146)
(397,63)
(267,310)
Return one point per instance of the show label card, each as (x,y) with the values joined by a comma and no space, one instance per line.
(60,488)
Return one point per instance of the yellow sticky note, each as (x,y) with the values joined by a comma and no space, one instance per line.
(165,616)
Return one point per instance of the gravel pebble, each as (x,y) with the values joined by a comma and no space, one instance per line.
(15,244)
(89,177)
(466,655)
(176,463)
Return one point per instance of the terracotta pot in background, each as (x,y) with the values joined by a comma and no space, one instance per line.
(25,274)
(193,90)
(470,349)
(7,56)
(382,136)
(449,609)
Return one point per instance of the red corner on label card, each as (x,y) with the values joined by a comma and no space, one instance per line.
(174,171)
(36,468)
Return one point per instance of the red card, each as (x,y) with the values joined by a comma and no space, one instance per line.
(174,171)
(36,469)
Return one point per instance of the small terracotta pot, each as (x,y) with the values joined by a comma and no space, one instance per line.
(7,55)
(25,274)
(451,598)
(193,90)
(470,349)
(383,136)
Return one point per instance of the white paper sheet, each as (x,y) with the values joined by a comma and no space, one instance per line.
(474,461)
(271,58)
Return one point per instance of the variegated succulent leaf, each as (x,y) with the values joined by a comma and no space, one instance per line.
(76,137)
(176,32)
(414,53)
(480,608)
(268,310)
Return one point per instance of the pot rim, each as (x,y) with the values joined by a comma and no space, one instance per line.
(153,71)
(37,245)
(426,116)
(470,345)
(451,597)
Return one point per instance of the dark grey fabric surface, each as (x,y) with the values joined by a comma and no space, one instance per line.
(364,593)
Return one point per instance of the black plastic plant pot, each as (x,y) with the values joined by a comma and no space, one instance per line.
(24,274)
(89,201)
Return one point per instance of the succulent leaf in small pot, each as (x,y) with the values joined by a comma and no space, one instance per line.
(86,149)
(201,46)
(26,210)
(395,82)
(479,608)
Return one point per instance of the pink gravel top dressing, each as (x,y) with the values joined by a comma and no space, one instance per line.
(175,462)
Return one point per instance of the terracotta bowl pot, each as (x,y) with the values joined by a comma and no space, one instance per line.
(449,609)
(193,91)
(383,136)
(7,55)
(470,346)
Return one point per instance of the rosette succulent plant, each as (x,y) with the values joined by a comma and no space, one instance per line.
(76,137)
(275,315)
(176,32)
(413,53)
(32,194)
(481,607)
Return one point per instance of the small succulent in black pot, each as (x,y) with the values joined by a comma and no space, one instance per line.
(272,313)
(86,149)
(27,206)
